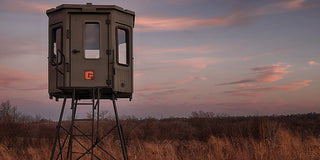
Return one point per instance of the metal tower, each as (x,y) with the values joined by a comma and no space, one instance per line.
(71,134)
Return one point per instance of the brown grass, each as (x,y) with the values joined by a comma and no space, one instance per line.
(203,136)
(285,146)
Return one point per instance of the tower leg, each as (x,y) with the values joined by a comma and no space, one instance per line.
(123,145)
(57,138)
(74,109)
(92,125)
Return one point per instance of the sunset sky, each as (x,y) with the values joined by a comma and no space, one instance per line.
(235,57)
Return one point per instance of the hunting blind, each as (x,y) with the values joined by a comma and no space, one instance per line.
(89,58)
(90,46)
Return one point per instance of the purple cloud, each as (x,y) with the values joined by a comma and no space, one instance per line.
(265,74)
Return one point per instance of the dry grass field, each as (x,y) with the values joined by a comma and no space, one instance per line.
(202,136)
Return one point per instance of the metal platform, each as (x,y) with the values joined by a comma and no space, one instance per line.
(86,93)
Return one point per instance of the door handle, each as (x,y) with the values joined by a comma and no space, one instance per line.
(74,51)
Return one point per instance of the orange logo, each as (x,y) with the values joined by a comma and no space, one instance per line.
(89,75)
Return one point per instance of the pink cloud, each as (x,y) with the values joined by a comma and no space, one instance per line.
(279,50)
(313,63)
(197,63)
(137,75)
(235,18)
(170,87)
(24,6)
(153,88)
(161,24)
(285,6)
(271,73)
(201,49)
(152,69)
(241,85)
(187,80)
(266,74)
(297,4)
(15,79)
(9,46)
(167,92)
(148,23)
(293,86)
(258,91)
(242,93)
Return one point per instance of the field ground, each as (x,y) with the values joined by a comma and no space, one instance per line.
(202,136)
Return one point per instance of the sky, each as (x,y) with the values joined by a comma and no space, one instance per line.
(234,57)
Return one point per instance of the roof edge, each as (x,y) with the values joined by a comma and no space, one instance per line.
(88,5)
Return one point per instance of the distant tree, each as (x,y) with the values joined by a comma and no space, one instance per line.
(104,114)
(9,113)
(9,121)
(201,114)
(128,117)
(89,114)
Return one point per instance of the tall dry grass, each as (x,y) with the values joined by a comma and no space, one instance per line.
(285,146)
(203,136)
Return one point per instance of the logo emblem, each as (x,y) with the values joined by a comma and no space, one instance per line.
(89,75)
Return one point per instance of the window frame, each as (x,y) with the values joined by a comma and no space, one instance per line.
(127,47)
(54,40)
(84,38)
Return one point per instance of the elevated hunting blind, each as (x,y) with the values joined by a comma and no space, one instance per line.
(90,46)
(90,58)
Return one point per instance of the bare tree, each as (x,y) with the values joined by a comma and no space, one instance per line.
(9,113)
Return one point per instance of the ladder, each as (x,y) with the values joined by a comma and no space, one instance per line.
(67,137)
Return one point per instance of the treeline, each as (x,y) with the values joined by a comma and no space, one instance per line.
(199,126)
(202,125)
